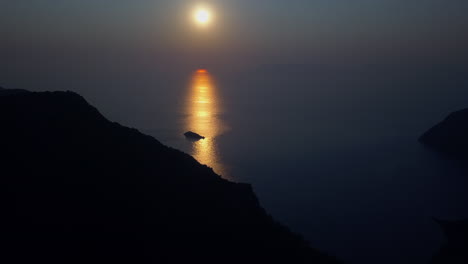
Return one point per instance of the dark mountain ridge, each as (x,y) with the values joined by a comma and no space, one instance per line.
(78,188)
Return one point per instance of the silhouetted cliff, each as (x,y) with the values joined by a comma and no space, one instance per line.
(77,188)
(455,251)
(450,136)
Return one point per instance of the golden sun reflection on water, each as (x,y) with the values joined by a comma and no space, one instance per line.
(203,110)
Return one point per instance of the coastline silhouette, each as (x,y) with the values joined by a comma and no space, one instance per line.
(78,188)
(450,138)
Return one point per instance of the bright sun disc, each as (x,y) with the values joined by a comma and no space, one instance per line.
(202,16)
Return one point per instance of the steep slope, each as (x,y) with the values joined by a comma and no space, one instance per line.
(456,249)
(77,188)
(450,136)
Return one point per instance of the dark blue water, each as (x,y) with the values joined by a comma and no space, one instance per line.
(335,156)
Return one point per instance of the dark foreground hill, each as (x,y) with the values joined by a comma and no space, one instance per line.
(77,188)
(450,137)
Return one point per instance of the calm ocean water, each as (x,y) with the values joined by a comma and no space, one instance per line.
(333,154)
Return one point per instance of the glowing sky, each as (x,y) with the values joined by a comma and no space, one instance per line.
(269,31)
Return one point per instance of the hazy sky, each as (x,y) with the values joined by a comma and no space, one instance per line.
(53,33)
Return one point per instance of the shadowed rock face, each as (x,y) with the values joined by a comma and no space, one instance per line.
(455,251)
(77,188)
(450,136)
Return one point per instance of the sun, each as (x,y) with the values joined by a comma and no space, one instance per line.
(202,16)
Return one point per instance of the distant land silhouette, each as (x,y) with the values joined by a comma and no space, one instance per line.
(450,137)
(77,188)
(4,91)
